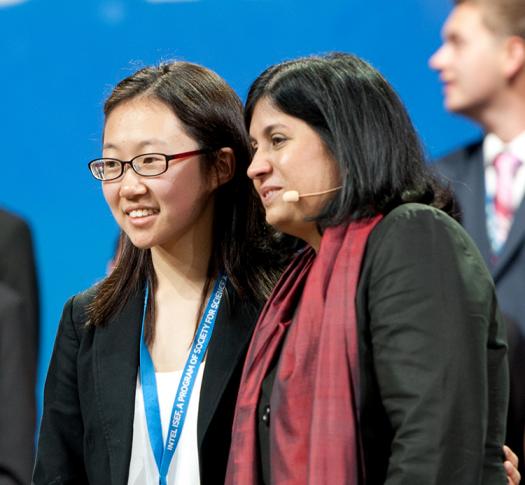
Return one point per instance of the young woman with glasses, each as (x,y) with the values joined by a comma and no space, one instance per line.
(144,373)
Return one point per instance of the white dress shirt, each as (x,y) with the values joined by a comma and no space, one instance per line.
(492,147)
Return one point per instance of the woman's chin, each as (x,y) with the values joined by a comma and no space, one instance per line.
(141,243)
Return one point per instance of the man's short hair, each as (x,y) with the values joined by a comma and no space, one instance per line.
(505,17)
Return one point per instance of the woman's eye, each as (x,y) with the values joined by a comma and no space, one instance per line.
(278,139)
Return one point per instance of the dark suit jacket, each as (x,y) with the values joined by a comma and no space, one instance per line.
(464,170)
(17,392)
(89,398)
(18,270)
(20,325)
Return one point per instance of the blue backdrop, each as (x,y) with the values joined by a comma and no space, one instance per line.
(60,58)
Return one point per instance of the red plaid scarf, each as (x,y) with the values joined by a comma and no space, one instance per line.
(314,436)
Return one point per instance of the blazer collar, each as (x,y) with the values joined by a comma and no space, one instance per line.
(231,335)
(472,199)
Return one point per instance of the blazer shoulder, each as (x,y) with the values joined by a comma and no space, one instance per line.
(13,228)
(417,235)
(11,219)
(413,216)
(77,306)
(460,156)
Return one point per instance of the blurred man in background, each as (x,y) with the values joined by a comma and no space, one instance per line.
(19,325)
(482,66)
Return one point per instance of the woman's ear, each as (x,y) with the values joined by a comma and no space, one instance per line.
(224,166)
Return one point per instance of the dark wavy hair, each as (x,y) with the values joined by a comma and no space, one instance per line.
(211,114)
(364,126)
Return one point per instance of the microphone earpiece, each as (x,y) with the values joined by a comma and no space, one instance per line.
(291,196)
(294,195)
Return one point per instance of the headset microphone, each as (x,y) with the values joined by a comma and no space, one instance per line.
(294,195)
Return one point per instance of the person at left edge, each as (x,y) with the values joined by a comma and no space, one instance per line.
(175,155)
(19,330)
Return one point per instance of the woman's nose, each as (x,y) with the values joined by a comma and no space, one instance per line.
(259,166)
(131,183)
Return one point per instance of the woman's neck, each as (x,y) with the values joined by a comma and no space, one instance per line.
(183,271)
(182,265)
(181,280)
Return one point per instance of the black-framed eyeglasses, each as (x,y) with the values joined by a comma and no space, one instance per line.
(147,165)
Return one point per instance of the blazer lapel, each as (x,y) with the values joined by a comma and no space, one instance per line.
(513,243)
(227,349)
(472,199)
(115,364)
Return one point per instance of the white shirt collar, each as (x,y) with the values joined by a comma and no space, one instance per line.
(493,146)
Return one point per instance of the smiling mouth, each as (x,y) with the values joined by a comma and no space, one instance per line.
(268,194)
(138,213)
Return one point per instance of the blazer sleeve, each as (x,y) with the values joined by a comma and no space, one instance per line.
(439,352)
(61,443)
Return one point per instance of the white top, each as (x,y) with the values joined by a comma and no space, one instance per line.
(184,467)
(492,147)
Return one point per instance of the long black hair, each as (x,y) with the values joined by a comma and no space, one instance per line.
(364,126)
(211,113)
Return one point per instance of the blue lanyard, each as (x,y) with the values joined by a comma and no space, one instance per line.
(164,453)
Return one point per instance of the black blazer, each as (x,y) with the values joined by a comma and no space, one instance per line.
(89,398)
(433,379)
(464,170)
